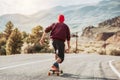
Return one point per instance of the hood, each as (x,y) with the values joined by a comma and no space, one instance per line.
(61,18)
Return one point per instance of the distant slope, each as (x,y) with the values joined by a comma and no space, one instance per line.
(104,30)
(77,16)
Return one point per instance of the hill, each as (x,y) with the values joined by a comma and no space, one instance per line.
(103,39)
(77,16)
(104,30)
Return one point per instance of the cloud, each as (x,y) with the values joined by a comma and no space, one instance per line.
(24,6)
(74,2)
(31,6)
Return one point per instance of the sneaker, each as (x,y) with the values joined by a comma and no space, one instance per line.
(54,68)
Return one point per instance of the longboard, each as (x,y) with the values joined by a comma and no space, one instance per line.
(55,72)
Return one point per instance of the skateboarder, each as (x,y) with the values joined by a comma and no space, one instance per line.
(59,34)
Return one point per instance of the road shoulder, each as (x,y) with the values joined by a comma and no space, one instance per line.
(115,66)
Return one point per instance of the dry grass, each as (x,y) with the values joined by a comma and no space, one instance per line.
(87,46)
(113,49)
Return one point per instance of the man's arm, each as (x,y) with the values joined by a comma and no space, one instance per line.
(48,29)
(68,39)
(68,43)
(68,47)
(42,38)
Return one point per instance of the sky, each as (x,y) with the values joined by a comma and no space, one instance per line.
(28,7)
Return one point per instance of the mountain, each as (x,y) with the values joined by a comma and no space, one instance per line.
(115,38)
(104,30)
(77,16)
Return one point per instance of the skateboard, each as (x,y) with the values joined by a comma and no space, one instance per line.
(55,72)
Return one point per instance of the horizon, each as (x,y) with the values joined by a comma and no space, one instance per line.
(77,15)
(34,6)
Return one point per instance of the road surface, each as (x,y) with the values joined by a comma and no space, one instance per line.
(75,67)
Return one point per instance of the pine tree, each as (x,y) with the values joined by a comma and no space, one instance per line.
(14,43)
(24,36)
(8,30)
(34,38)
(36,33)
(2,44)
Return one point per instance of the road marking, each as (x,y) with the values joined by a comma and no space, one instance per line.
(114,69)
(13,66)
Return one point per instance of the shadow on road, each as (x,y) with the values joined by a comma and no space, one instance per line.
(73,76)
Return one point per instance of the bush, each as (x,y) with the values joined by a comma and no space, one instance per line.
(36,48)
(29,49)
(2,41)
(115,52)
(2,51)
(102,52)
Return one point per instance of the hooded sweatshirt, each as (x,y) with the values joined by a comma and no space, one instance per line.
(59,30)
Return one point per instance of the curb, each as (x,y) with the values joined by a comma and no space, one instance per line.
(114,69)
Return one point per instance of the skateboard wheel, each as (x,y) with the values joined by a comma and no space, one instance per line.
(57,74)
(61,71)
(53,72)
(49,73)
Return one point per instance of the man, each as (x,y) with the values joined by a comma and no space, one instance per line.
(59,33)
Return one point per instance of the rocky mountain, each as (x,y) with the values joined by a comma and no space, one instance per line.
(104,30)
(115,38)
(114,22)
(104,36)
(77,16)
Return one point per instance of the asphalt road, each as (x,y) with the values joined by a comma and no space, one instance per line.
(75,67)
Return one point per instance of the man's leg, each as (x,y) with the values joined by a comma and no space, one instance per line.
(56,54)
(61,50)
(55,49)
(60,54)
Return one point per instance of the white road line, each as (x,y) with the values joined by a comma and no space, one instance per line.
(13,66)
(114,69)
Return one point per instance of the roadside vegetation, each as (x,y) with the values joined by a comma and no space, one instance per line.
(13,41)
(98,47)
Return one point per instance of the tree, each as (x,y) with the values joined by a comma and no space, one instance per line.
(24,36)
(36,33)
(14,43)
(4,37)
(8,30)
(34,38)
(37,30)
(2,41)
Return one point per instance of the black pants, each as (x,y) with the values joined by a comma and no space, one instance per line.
(60,46)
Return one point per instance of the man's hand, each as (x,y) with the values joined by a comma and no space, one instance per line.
(41,42)
(42,39)
(67,51)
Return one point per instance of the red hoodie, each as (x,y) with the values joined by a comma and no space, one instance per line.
(59,31)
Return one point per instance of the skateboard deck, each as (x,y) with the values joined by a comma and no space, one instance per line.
(55,72)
